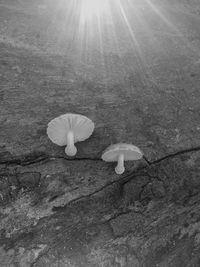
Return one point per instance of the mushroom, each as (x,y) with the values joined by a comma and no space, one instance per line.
(121,152)
(68,129)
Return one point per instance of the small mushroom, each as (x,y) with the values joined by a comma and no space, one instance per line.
(121,152)
(68,129)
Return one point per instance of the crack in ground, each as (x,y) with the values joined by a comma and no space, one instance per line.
(184,151)
(43,158)
(122,180)
(35,158)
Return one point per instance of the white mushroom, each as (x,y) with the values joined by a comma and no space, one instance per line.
(121,152)
(68,129)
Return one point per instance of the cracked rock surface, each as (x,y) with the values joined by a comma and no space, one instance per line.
(76,212)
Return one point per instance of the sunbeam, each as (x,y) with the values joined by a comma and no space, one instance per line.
(93,8)
(136,32)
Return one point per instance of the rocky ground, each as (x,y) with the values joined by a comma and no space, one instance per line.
(138,79)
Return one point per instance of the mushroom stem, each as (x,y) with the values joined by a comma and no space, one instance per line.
(120,165)
(70,149)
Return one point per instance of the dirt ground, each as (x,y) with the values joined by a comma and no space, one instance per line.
(135,71)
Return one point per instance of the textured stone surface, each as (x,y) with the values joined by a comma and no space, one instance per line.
(140,86)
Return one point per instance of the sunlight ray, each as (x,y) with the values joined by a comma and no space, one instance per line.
(136,47)
(172,27)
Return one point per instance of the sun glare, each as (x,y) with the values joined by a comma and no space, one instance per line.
(101,28)
(92,8)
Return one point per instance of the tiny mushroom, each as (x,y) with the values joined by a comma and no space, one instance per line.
(68,129)
(121,152)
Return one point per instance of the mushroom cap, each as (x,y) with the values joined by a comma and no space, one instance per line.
(58,128)
(129,151)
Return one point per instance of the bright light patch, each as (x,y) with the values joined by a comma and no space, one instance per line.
(93,8)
